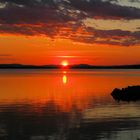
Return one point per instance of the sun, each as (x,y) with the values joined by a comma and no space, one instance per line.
(64,63)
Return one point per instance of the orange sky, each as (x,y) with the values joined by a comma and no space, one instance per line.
(40,50)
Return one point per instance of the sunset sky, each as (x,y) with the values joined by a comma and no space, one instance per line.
(97,32)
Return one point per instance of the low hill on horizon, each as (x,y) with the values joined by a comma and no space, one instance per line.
(78,66)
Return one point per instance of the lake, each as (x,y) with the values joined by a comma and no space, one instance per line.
(67,105)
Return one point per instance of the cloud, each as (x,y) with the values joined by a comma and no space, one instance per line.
(112,37)
(5,55)
(64,19)
(106,9)
(117,37)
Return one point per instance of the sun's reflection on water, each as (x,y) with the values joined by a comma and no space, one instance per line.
(65,78)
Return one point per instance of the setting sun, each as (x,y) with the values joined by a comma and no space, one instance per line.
(64,63)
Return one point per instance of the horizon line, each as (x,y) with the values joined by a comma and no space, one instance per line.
(75,66)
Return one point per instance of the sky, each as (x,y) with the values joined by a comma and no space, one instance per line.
(97,32)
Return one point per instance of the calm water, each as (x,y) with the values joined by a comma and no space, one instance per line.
(67,105)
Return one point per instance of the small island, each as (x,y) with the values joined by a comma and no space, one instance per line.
(130,93)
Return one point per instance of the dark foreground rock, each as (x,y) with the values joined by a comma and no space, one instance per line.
(131,93)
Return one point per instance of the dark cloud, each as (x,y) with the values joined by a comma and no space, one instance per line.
(64,18)
(94,8)
(5,55)
(29,2)
(106,9)
(113,37)
(27,15)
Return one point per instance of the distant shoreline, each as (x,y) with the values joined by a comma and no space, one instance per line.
(80,66)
